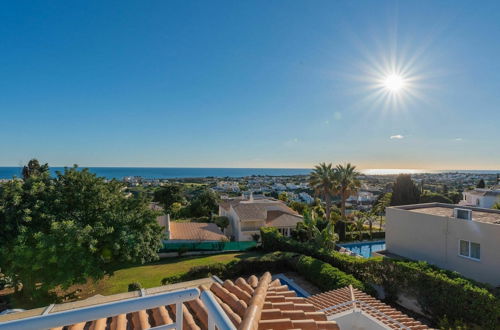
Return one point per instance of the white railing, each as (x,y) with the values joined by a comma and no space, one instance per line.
(216,316)
(368,306)
(96,312)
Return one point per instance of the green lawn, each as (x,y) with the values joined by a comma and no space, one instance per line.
(151,275)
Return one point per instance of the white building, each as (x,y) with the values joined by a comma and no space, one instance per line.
(462,239)
(481,197)
(247,215)
(232,186)
(278,187)
(306,198)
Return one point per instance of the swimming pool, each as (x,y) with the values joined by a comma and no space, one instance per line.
(365,249)
(292,285)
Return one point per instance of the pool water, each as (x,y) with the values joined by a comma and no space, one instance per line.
(365,249)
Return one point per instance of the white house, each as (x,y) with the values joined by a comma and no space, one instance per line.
(306,197)
(247,215)
(481,197)
(459,238)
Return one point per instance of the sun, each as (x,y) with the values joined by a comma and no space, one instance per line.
(394,83)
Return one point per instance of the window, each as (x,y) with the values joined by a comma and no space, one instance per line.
(469,250)
(464,248)
(475,250)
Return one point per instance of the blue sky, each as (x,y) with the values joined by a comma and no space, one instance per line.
(250,83)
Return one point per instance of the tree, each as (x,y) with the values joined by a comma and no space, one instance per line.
(496,206)
(168,195)
(430,197)
(405,191)
(283,196)
(33,168)
(203,204)
(175,209)
(347,184)
(380,206)
(299,206)
(221,222)
(327,238)
(67,229)
(481,184)
(322,180)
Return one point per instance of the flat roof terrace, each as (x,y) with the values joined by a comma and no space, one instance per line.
(446,210)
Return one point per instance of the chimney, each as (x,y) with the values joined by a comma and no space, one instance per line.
(167,225)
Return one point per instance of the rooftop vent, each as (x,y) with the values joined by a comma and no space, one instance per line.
(464,214)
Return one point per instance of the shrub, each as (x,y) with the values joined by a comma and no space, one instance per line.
(439,292)
(324,275)
(134,286)
(316,271)
(182,250)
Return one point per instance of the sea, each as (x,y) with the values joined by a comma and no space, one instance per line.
(200,172)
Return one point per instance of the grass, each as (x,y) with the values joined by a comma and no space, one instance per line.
(151,275)
(148,276)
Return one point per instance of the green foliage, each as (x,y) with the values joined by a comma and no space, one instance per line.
(481,184)
(322,181)
(430,197)
(134,286)
(439,292)
(221,222)
(496,206)
(323,275)
(405,191)
(168,195)
(255,237)
(298,206)
(64,230)
(318,272)
(203,204)
(33,168)
(347,184)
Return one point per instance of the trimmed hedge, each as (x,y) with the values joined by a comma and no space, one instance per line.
(439,292)
(320,273)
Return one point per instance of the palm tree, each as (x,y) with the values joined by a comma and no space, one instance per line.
(379,207)
(327,238)
(347,184)
(322,180)
(309,224)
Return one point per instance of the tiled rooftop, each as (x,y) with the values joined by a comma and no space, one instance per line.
(194,231)
(385,314)
(252,303)
(446,210)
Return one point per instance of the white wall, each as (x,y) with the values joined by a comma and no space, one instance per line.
(435,239)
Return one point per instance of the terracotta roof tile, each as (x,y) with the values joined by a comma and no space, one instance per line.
(256,303)
(195,231)
(335,297)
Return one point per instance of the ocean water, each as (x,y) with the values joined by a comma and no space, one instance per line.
(200,172)
(169,172)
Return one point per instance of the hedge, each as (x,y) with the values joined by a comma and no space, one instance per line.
(320,273)
(439,292)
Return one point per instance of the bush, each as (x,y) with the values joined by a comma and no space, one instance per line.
(439,292)
(134,286)
(182,250)
(316,271)
(324,275)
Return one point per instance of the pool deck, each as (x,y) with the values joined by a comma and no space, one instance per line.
(298,283)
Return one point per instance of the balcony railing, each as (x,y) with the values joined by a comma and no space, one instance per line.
(216,316)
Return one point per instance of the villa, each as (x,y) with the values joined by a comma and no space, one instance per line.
(481,197)
(247,215)
(458,238)
(209,303)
